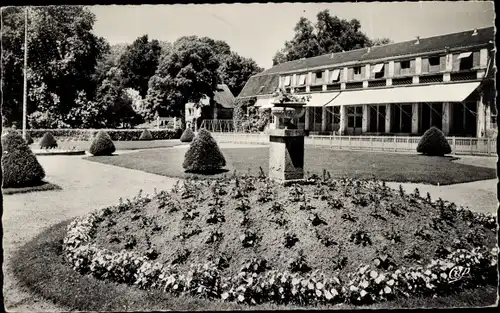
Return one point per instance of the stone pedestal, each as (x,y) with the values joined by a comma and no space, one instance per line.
(286,155)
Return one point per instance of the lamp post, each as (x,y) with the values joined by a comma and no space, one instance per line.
(25,87)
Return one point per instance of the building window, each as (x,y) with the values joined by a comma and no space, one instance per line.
(465,60)
(354,116)
(357,70)
(378,70)
(405,64)
(319,75)
(434,61)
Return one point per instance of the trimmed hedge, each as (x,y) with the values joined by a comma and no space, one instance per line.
(146,135)
(102,144)
(204,154)
(115,134)
(20,167)
(187,135)
(433,142)
(48,141)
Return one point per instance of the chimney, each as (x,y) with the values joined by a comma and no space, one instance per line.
(474,33)
(369,49)
(418,40)
(331,57)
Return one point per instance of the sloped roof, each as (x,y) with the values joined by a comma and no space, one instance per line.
(260,85)
(269,78)
(325,59)
(224,96)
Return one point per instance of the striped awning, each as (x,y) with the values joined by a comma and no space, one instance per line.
(456,92)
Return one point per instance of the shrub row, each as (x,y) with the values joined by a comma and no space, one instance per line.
(115,134)
(366,285)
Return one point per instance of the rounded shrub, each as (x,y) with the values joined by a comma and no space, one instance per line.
(19,165)
(28,139)
(203,154)
(433,142)
(48,141)
(102,144)
(187,135)
(146,135)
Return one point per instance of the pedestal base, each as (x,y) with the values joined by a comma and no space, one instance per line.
(286,155)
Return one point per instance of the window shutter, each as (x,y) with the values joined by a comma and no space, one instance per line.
(412,66)
(442,63)
(475,59)
(363,70)
(386,70)
(350,73)
(456,63)
(397,68)
(425,65)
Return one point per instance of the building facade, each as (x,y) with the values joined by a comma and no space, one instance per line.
(221,107)
(446,81)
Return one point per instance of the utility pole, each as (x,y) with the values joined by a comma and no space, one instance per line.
(25,70)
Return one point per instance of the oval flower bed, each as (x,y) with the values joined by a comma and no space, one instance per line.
(250,240)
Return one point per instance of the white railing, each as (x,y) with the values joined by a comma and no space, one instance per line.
(459,145)
(222,126)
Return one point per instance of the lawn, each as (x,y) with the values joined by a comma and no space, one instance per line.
(38,266)
(354,164)
(120,145)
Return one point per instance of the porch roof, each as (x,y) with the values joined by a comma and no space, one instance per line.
(452,92)
(321,99)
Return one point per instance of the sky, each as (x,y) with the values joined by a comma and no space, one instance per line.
(258,31)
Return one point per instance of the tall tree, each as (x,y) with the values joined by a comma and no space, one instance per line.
(185,75)
(62,56)
(236,70)
(329,34)
(139,62)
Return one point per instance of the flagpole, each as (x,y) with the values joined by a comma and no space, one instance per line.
(25,70)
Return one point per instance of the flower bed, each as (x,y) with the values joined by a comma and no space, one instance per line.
(116,134)
(254,280)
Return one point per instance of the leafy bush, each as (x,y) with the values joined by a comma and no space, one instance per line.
(20,168)
(48,141)
(187,135)
(115,134)
(102,144)
(433,142)
(146,135)
(203,154)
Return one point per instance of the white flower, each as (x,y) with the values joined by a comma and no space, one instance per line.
(387,289)
(363,293)
(390,282)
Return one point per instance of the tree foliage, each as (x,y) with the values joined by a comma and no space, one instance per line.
(330,34)
(381,42)
(62,57)
(139,62)
(236,70)
(185,75)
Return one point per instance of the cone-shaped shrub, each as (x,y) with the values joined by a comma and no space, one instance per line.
(433,142)
(20,168)
(203,154)
(187,135)
(28,139)
(102,144)
(146,135)
(48,141)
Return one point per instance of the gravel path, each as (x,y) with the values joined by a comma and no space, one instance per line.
(91,185)
(86,186)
